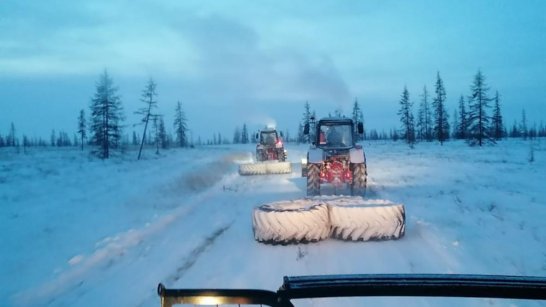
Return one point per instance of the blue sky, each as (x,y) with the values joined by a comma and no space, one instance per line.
(234,62)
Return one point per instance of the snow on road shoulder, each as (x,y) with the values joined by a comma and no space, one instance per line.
(483,204)
(86,212)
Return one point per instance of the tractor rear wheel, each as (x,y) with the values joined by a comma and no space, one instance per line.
(260,155)
(280,156)
(313,179)
(360,179)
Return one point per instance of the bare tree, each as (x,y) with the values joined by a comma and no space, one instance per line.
(149,95)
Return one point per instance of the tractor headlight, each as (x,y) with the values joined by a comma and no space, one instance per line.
(208,300)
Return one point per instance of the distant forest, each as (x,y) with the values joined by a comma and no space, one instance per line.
(478,119)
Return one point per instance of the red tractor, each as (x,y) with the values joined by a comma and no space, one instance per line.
(270,155)
(270,146)
(334,157)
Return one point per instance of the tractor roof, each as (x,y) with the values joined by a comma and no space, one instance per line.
(336,120)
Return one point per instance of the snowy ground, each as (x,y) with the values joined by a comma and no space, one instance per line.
(82,232)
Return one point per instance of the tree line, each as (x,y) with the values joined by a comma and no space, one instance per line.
(478,119)
(106,118)
(103,128)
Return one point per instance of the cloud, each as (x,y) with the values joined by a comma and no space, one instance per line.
(260,60)
(223,57)
(234,64)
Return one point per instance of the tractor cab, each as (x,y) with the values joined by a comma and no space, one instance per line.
(334,134)
(269,137)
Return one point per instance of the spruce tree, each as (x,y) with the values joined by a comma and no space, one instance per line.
(420,131)
(82,127)
(441,124)
(357,118)
(455,123)
(461,129)
(244,135)
(424,118)
(11,136)
(106,117)
(406,118)
(180,126)
(237,135)
(523,130)
(163,139)
(478,119)
(497,127)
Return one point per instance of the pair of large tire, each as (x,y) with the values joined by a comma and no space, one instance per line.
(315,219)
(358,186)
(265,168)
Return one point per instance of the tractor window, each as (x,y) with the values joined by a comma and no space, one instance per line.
(269,138)
(335,136)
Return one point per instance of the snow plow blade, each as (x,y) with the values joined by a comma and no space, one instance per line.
(265,168)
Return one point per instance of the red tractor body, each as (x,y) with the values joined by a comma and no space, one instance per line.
(334,157)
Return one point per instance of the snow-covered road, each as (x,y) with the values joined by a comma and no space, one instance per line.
(89,233)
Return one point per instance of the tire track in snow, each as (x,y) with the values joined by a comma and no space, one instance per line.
(114,248)
(419,236)
(196,253)
(75,275)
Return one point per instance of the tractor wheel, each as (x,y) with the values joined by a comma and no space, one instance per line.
(313,179)
(356,219)
(260,155)
(360,179)
(290,222)
(280,156)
